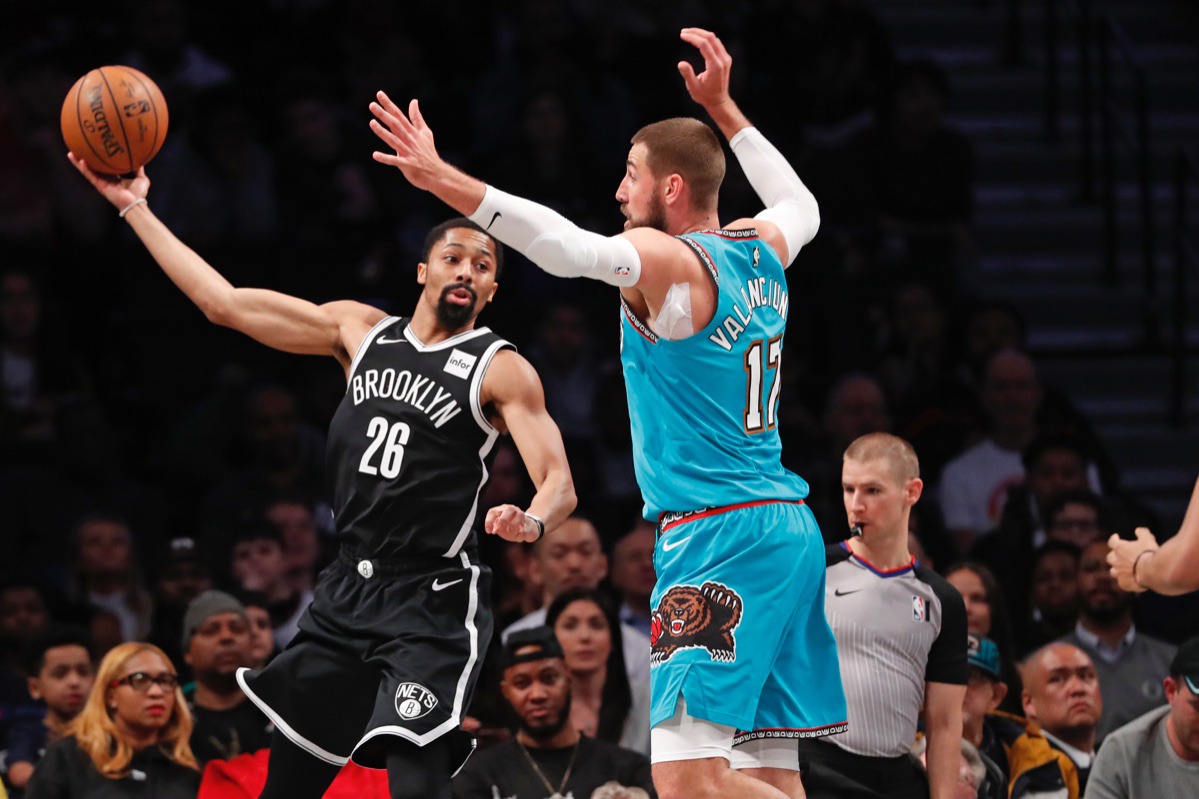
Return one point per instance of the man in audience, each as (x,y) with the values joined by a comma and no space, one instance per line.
(974,485)
(1131,665)
(260,564)
(1156,755)
(182,577)
(1076,517)
(984,691)
(293,518)
(216,643)
(633,574)
(566,557)
(1012,747)
(262,635)
(547,757)
(1061,695)
(59,665)
(1053,597)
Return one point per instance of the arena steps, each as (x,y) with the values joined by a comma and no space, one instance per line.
(1040,247)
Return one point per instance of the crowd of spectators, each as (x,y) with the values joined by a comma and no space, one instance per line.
(147,457)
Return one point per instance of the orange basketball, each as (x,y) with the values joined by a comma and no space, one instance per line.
(115,119)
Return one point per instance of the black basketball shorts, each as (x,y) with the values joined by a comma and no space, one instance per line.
(385,649)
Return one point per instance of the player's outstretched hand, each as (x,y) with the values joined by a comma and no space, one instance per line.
(709,88)
(118,191)
(1124,554)
(411,139)
(511,523)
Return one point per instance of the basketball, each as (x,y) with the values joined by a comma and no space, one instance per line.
(114,119)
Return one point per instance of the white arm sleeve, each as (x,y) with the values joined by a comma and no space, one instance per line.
(789,204)
(554,243)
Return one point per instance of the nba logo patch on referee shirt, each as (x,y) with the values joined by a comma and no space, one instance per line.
(919,609)
(460,364)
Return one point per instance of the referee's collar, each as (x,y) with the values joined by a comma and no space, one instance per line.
(896,572)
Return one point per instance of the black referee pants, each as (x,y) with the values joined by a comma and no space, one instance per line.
(829,772)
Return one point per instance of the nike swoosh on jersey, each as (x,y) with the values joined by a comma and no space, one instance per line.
(839,592)
(674,544)
(382,340)
(437,586)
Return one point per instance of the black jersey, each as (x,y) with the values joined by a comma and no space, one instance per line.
(410,445)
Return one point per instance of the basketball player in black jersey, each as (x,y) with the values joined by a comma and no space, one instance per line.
(389,650)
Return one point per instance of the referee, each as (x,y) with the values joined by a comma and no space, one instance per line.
(901,638)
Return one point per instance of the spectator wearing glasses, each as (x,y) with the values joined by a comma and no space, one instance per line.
(130,739)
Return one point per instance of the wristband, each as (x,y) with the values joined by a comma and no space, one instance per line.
(129,207)
(1137,560)
(540,525)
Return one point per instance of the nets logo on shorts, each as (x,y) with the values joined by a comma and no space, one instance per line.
(688,616)
(414,701)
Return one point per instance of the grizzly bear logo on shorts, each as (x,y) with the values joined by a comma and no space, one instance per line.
(688,617)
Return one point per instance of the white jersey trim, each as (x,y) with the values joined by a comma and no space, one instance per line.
(476,408)
(460,692)
(449,342)
(366,342)
(297,739)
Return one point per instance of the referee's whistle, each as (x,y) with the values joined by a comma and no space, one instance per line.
(855,531)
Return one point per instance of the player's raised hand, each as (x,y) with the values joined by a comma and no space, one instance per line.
(118,191)
(1123,557)
(511,524)
(709,88)
(411,139)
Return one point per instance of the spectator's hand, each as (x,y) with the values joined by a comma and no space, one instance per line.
(1124,554)
(118,191)
(709,88)
(511,523)
(411,139)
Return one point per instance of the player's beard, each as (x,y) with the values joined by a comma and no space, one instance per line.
(452,316)
(655,215)
(550,729)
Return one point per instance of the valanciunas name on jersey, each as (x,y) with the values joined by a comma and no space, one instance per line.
(757,292)
(422,393)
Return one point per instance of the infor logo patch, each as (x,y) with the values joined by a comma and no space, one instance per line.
(414,701)
(460,363)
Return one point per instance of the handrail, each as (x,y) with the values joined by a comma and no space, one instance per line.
(1112,39)
(1186,169)
(1083,26)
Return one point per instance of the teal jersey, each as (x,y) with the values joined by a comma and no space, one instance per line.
(704,409)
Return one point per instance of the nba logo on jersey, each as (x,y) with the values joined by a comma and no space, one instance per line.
(919,609)
(414,701)
(460,364)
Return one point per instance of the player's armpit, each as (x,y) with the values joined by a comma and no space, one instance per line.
(512,386)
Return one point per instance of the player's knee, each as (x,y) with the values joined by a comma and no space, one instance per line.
(692,779)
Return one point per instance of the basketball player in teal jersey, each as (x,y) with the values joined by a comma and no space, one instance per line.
(741,649)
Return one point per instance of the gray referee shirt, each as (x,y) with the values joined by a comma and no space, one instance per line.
(895,631)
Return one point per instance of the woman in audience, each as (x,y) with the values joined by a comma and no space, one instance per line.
(130,739)
(986,614)
(603,703)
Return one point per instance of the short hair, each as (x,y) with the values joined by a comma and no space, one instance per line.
(1055,546)
(50,638)
(1048,442)
(1080,497)
(690,149)
(898,453)
(438,233)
